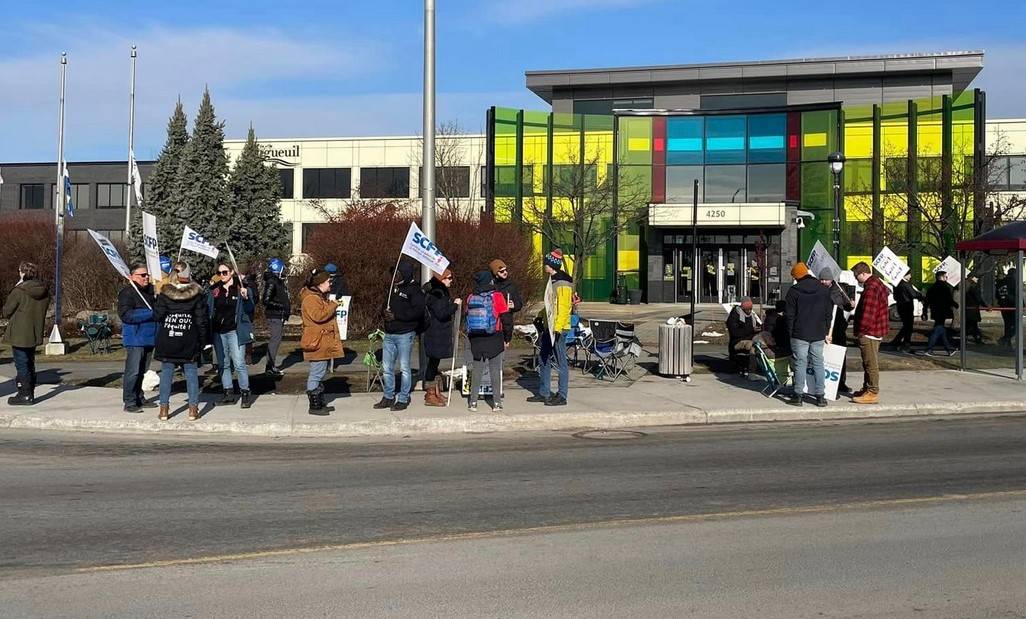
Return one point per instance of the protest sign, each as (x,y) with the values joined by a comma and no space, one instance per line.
(833,362)
(890,266)
(820,259)
(150,248)
(953,268)
(111,252)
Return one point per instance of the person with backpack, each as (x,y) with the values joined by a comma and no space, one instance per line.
(230,304)
(320,341)
(25,309)
(277,308)
(555,323)
(404,316)
(489,329)
(438,332)
(183,329)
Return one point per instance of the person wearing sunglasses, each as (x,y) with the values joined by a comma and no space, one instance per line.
(438,333)
(138,334)
(505,285)
(231,310)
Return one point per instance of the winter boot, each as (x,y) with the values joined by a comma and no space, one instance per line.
(315,404)
(247,399)
(193,412)
(165,412)
(320,400)
(24,397)
(228,397)
(433,397)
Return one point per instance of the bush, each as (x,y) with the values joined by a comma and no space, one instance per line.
(365,240)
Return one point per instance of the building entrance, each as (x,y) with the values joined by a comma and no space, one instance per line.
(725,272)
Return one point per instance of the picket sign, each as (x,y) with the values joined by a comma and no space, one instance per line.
(820,259)
(342,315)
(890,266)
(953,268)
(833,363)
(150,248)
(116,261)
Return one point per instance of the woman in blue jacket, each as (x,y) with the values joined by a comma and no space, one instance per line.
(231,323)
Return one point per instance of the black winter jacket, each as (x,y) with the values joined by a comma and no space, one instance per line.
(406,303)
(441,311)
(339,287)
(740,328)
(512,294)
(941,300)
(905,294)
(183,326)
(808,310)
(843,303)
(275,297)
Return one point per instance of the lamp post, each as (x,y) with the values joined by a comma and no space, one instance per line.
(836,160)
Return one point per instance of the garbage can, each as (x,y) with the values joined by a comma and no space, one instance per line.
(675,353)
(634,294)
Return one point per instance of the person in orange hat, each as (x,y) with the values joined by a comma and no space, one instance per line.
(438,333)
(808,321)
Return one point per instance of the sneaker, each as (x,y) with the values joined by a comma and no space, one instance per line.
(952,353)
(497,407)
(384,403)
(400,406)
(821,401)
(928,353)
(472,407)
(556,400)
(133,408)
(145,404)
(275,372)
(795,400)
(540,399)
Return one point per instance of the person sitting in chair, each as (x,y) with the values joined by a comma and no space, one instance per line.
(741,330)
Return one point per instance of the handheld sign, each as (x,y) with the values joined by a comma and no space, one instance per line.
(890,266)
(953,268)
(150,248)
(820,259)
(112,254)
(342,315)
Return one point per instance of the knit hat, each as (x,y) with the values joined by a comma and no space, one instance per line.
(331,268)
(554,259)
(184,273)
(318,278)
(799,270)
(496,265)
(482,279)
(826,275)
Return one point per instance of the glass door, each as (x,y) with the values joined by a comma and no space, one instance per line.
(709,259)
(733,269)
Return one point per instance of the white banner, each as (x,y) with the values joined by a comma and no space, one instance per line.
(111,252)
(420,247)
(150,248)
(550,308)
(342,315)
(953,268)
(194,241)
(890,266)
(820,259)
(833,362)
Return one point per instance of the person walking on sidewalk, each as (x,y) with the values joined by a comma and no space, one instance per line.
(504,284)
(277,309)
(438,333)
(231,307)
(404,316)
(489,329)
(940,298)
(25,309)
(1007,296)
(320,340)
(871,325)
(554,324)
(839,334)
(808,310)
(138,332)
(905,296)
(183,329)
(974,304)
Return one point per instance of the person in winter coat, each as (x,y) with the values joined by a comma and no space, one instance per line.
(25,309)
(838,334)
(320,340)
(489,329)
(1007,296)
(231,305)
(741,331)
(871,325)
(974,303)
(183,329)
(438,333)
(905,296)
(808,321)
(404,316)
(559,302)
(138,330)
(277,309)
(940,298)
(505,285)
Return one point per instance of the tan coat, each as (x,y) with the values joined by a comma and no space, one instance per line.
(320,341)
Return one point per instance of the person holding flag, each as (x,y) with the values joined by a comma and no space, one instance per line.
(403,315)
(138,334)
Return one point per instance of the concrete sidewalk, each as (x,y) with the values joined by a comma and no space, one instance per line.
(650,401)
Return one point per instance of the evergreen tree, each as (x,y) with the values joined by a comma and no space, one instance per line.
(255,191)
(160,189)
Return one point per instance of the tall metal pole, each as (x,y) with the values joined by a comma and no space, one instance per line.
(694,261)
(131,145)
(58,209)
(427,189)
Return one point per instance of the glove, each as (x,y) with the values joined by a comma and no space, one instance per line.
(389,316)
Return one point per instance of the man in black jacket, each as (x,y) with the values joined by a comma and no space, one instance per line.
(741,330)
(905,296)
(505,285)
(940,298)
(404,316)
(277,309)
(808,321)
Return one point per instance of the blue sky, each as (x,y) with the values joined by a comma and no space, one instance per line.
(353,67)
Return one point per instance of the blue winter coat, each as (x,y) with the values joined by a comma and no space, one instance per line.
(138,325)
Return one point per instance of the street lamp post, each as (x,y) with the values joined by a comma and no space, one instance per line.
(836,160)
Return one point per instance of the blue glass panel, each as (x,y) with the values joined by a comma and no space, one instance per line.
(684,140)
(766,138)
(725,139)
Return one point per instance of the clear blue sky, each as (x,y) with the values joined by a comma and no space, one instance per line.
(353,67)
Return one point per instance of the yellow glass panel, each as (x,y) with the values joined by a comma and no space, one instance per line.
(894,207)
(641,144)
(812,140)
(853,260)
(858,208)
(858,139)
(929,136)
(929,264)
(894,138)
(628,260)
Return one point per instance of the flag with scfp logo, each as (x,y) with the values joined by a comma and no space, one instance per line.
(424,250)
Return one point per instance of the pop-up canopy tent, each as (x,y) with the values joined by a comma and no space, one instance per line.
(1005,240)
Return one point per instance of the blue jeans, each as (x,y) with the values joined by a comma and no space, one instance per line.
(137,361)
(228,348)
(940,332)
(317,371)
(804,352)
(397,346)
(25,363)
(549,351)
(167,376)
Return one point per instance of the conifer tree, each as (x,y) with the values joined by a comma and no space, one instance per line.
(255,190)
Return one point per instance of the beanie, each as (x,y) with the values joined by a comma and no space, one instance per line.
(319,278)
(496,266)
(554,259)
(826,275)
(482,279)
(184,273)
(799,270)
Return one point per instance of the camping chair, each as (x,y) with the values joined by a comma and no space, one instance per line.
(373,360)
(613,349)
(575,341)
(770,370)
(97,332)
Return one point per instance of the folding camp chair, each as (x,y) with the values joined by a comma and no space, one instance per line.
(612,349)
(770,367)
(373,360)
(575,341)
(97,332)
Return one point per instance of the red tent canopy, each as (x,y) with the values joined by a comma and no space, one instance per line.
(1008,237)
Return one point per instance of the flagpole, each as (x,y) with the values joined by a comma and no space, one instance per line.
(58,209)
(131,145)
(428,188)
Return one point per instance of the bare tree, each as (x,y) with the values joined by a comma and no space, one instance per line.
(457,171)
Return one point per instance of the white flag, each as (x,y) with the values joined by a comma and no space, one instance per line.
(194,241)
(420,247)
(111,252)
(136,177)
(820,260)
(1,179)
(150,248)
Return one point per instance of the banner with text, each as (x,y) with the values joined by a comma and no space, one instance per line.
(953,268)
(890,266)
(150,248)
(342,315)
(194,241)
(111,252)
(820,259)
(833,361)
(421,248)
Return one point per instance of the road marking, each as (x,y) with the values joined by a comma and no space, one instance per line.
(557,528)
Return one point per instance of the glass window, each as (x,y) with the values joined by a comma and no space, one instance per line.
(450,181)
(725,139)
(79,195)
(766,138)
(680,183)
(725,183)
(111,195)
(606,106)
(739,102)
(287,183)
(684,140)
(1017,172)
(895,174)
(506,181)
(819,135)
(32,196)
(326,183)
(384,182)
(767,182)
(997,173)
(573,180)
(858,176)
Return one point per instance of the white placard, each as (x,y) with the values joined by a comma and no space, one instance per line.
(342,315)
(953,268)
(820,259)
(194,241)
(890,266)
(111,252)
(150,248)
(833,362)
(418,246)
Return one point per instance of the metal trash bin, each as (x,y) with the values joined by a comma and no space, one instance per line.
(675,353)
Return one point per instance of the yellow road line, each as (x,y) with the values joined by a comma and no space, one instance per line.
(557,528)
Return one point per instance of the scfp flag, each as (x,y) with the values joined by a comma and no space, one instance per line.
(420,247)
(194,241)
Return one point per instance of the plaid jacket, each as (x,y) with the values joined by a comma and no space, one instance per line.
(871,315)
